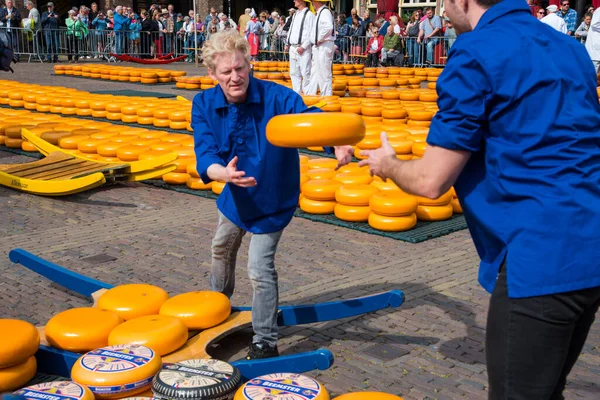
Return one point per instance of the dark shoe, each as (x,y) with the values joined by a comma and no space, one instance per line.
(261,350)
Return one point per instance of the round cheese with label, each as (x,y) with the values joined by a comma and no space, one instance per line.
(282,386)
(60,390)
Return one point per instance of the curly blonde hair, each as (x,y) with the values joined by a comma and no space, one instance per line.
(224,42)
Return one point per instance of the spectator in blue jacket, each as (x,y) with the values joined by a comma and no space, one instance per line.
(121,26)
(100,24)
(50,22)
(134,33)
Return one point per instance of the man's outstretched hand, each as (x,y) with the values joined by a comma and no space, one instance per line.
(237,177)
(344,155)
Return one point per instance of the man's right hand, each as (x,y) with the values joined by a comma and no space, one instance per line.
(237,177)
(300,50)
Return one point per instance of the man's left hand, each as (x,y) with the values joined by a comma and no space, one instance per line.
(344,155)
(380,159)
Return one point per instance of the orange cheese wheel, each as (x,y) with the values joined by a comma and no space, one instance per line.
(434,213)
(282,386)
(392,224)
(315,129)
(178,124)
(109,149)
(328,163)
(320,189)
(98,114)
(393,205)
(443,200)
(418,148)
(176,178)
(131,152)
(355,195)
(164,146)
(352,213)
(71,142)
(145,120)
(162,333)
(133,300)
(397,113)
(370,142)
(456,207)
(117,371)
(16,376)
(217,187)
(13,143)
(149,81)
(129,119)
(161,123)
(321,174)
(20,341)
(90,146)
(429,96)
(198,310)
(58,390)
(81,329)
(371,111)
(368,396)
(197,183)
(418,123)
(401,146)
(303,159)
(191,170)
(317,206)
(356,177)
(28,147)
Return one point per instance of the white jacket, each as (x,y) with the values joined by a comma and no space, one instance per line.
(592,44)
(556,22)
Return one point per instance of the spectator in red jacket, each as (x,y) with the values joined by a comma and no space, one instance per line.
(374,47)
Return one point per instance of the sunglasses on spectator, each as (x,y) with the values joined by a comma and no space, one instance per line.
(565,4)
(540,12)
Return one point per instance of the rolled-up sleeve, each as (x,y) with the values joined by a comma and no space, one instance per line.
(205,144)
(463,92)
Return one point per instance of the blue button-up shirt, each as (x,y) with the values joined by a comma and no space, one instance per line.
(223,131)
(570,18)
(531,189)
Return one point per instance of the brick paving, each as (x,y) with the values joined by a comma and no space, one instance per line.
(432,347)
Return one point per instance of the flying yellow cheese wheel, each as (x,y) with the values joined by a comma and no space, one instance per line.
(320,189)
(14,377)
(393,205)
(315,129)
(443,200)
(282,386)
(198,310)
(368,396)
(117,371)
(20,340)
(355,195)
(316,206)
(81,329)
(434,213)
(59,390)
(392,224)
(352,213)
(133,300)
(162,333)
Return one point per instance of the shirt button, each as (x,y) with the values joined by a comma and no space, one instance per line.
(240,141)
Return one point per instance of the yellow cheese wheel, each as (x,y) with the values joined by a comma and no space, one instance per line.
(109,149)
(13,143)
(418,148)
(394,113)
(456,207)
(401,146)
(328,163)
(282,386)
(117,371)
(71,142)
(198,310)
(133,300)
(162,333)
(131,152)
(81,329)
(197,183)
(355,195)
(20,340)
(392,224)
(368,396)
(28,147)
(217,187)
(58,390)
(315,129)
(320,189)
(317,206)
(393,205)
(356,177)
(90,146)
(321,173)
(176,178)
(14,377)
(443,200)
(352,213)
(434,213)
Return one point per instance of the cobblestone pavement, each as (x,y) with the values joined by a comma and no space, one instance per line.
(432,347)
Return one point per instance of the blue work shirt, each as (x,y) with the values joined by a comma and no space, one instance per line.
(223,131)
(531,189)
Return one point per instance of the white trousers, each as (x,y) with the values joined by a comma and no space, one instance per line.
(300,69)
(321,76)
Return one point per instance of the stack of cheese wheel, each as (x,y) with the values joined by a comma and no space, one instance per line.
(339,87)
(194,182)
(318,193)
(282,386)
(81,329)
(359,69)
(197,379)
(162,333)
(456,206)
(198,310)
(392,211)
(353,197)
(20,341)
(370,72)
(133,300)
(59,390)
(435,209)
(368,396)
(117,371)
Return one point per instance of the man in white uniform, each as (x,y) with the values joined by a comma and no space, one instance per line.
(300,46)
(554,20)
(322,36)
(592,43)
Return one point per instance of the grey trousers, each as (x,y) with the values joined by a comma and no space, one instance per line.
(261,271)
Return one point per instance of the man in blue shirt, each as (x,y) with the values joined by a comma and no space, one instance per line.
(430,30)
(263,181)
(569,15)
(519,142)
(122,22)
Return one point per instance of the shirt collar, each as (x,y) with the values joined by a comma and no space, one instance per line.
(501,9)
(253,96)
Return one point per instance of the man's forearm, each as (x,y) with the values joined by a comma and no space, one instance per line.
(217,172)
(412,177)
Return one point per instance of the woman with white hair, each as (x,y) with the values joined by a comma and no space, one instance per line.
(75,32)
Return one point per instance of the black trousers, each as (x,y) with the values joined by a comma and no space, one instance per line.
(372,60)
(532,343)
